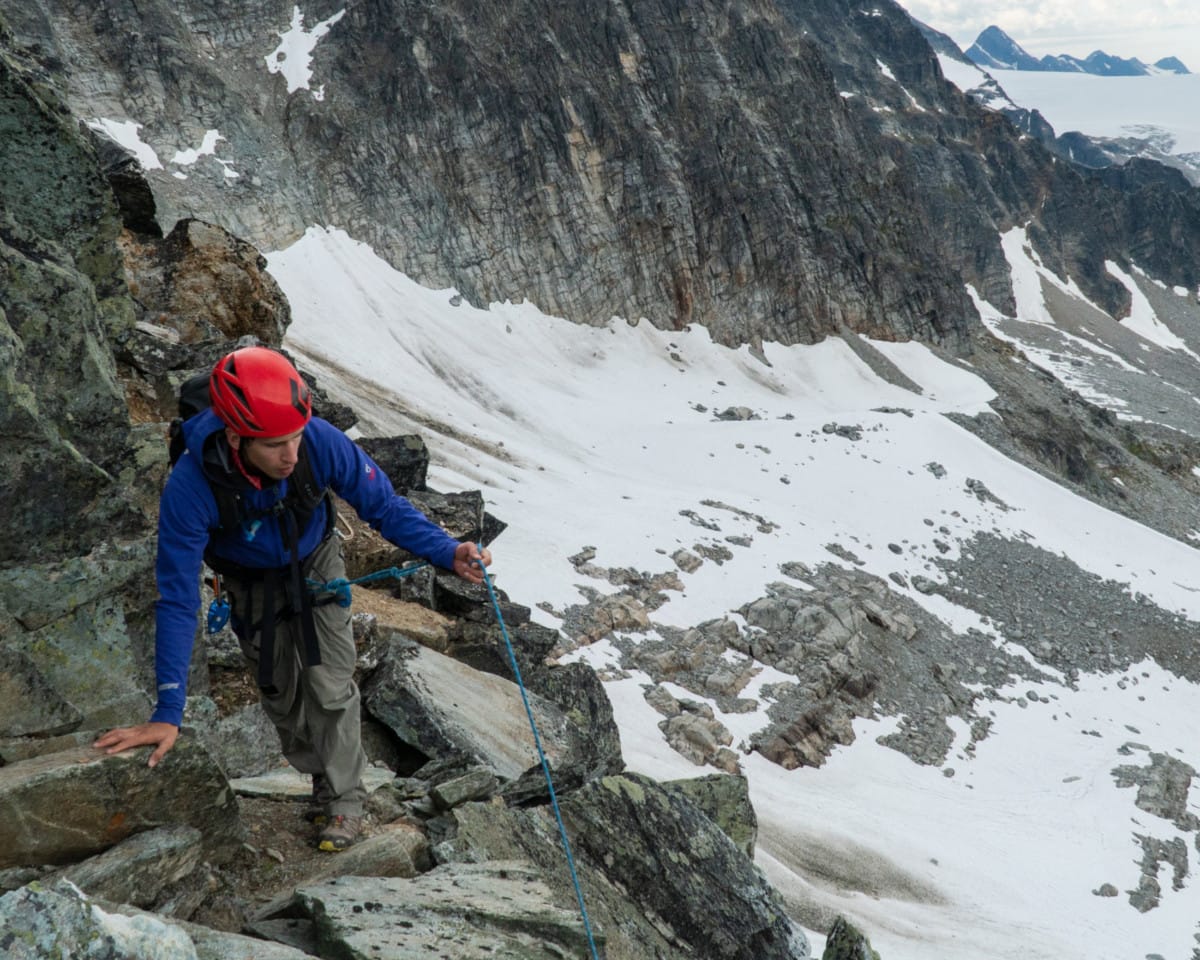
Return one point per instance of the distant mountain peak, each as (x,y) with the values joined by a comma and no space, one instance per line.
(1171,65)
(994,49)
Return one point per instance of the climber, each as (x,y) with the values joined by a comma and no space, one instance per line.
(250,498)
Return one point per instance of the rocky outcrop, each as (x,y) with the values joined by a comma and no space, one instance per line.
(726,802)
(847,942)
(62,922)
(484,909)
(442,708)
(205,284)
(61,409)
(850,642)
(64,807)
(1163,789)
(705,897)
(142,868)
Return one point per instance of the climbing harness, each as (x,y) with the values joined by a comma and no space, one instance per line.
(315,593)
(537,740)
(338,591)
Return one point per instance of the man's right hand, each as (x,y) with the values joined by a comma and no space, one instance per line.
(160,735)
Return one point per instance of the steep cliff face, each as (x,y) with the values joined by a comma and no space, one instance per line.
(974,174)
(689,162)
(766,169)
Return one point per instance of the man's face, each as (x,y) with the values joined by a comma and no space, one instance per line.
(274,457)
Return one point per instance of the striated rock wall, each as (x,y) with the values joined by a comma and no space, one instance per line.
(689,162)
(767,169)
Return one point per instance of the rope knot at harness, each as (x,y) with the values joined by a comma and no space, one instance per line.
(338,590)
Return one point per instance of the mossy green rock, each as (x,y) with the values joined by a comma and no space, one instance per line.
(847,942)
(63,418)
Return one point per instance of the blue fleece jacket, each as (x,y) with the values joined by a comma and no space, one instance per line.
(188,520)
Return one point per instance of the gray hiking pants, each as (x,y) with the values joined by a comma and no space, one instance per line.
(315,710)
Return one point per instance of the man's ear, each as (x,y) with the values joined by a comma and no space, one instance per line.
(235,441)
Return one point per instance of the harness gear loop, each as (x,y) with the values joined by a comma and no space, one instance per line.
(218,609)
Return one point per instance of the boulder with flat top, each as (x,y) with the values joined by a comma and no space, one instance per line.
(62,807)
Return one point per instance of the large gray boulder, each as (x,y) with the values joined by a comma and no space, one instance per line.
(725,800)
(703,898)
(137,870)
(708,892)
(64,807)
(37,922)
(445,708)
(466,910)
(59,920)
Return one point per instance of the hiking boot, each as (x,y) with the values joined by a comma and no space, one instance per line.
(316,815)
(316,812)
(339,833)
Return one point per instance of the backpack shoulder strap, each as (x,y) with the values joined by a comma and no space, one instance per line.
(229,507)
(304,492)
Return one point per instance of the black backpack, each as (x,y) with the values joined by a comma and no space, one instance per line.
(304,493)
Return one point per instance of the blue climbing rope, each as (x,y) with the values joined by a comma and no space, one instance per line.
(537,740)
(340,586)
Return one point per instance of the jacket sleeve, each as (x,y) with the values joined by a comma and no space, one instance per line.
(358,480)
(186,511)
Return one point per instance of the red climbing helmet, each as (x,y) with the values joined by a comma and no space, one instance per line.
(258,393)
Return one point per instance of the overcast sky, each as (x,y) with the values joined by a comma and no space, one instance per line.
(1148,30)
